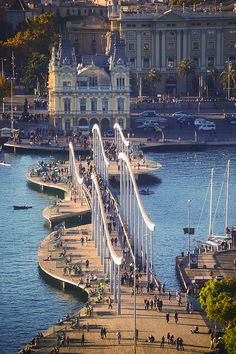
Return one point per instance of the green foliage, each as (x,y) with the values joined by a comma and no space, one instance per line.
(5,87)
(230,340)
(38,34)
(218,298)
(229,74)
(152,78)
(186,67)
(36,72)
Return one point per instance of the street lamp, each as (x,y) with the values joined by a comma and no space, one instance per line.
(189,231)
(2,61)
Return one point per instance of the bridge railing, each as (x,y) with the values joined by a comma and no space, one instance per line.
(100,159)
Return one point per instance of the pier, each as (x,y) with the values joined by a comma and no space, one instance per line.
(111,260)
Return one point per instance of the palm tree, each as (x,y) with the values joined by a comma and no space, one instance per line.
(153,77)
(228,77)
(185,68)
(213,74)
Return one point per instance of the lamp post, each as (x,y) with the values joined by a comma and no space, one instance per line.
(189,232)
(2,62)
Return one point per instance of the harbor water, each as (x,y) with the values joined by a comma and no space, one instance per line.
(28,304)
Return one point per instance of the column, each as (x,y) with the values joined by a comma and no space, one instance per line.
(163,56)
(153,49)
(157,47)
(178,45)
(118,279)
(185,43)
(203,50)
(139,51)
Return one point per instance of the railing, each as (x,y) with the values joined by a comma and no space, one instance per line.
(101,162)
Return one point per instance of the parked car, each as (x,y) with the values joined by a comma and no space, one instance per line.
(185,119)
(147,114)
(200,121)
(109,134)
(233,121)
(219,277)
(179,114)
(208,126)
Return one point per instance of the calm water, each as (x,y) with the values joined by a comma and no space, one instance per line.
(27,303)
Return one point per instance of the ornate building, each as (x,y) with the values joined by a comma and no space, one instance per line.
(162,38)
(97,90)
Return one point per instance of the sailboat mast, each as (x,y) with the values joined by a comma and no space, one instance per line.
(210,209)
(227,197)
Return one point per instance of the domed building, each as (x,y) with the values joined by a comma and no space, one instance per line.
(97,90)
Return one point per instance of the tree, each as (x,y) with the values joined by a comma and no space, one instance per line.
(218,298)
(36,72)
(5,87)
(185,68)
(152,78)
(228,77)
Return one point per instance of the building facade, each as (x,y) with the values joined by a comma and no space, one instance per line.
(162,39)
(97,90)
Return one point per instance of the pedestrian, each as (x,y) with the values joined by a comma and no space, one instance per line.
(82,340)
(68,340)
(102,333)
(118,336)
(168,337)
(181,344)
(167,317)
(162,344)
(169,297)
(177,343)
(176,317)
(109,303)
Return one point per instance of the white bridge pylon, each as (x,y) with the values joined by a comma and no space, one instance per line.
(122,144)
(100,160)
(140,227)
(78,186)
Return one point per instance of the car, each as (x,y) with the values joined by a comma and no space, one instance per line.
(109,134)
(161,119)
(147,114)
(207,126)
(219,277)
(200,121)
(185,119)
(179,114)
(233,121)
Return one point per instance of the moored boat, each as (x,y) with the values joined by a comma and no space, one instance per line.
(18,207)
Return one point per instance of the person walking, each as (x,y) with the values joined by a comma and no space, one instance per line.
(169,297)
(162,344)
(82,340)
(167,317)
(118,336)
(176,317)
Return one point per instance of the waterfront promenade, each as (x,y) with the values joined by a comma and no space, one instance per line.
(111,260)
(149,322)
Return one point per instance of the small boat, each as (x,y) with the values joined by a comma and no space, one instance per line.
(3,163)
(146,191)
(18,207)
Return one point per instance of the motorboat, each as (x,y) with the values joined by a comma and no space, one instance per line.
(3,163)
(146,191)
(18,207)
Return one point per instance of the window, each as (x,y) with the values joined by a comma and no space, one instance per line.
(232,44)
(232,59)
(82,82)
(146,46)
(195,33)
(146,34)
(195,45)
(83,105)
(211,45)
(131,46)
(67,124)
(120,83)
(196,62)
(170,34)
(170,63)
(67,105)
(171,46)
(94,105)
(132,62)
(104,105)
(211,32)
(210,61)
(66,84)
(79,12)
(130,34)
(146,63)
(120,105)
(93,81)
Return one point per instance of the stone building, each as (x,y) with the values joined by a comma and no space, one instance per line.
(161,39)
(96,90)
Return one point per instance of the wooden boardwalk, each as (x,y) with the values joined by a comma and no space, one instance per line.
(148,321)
